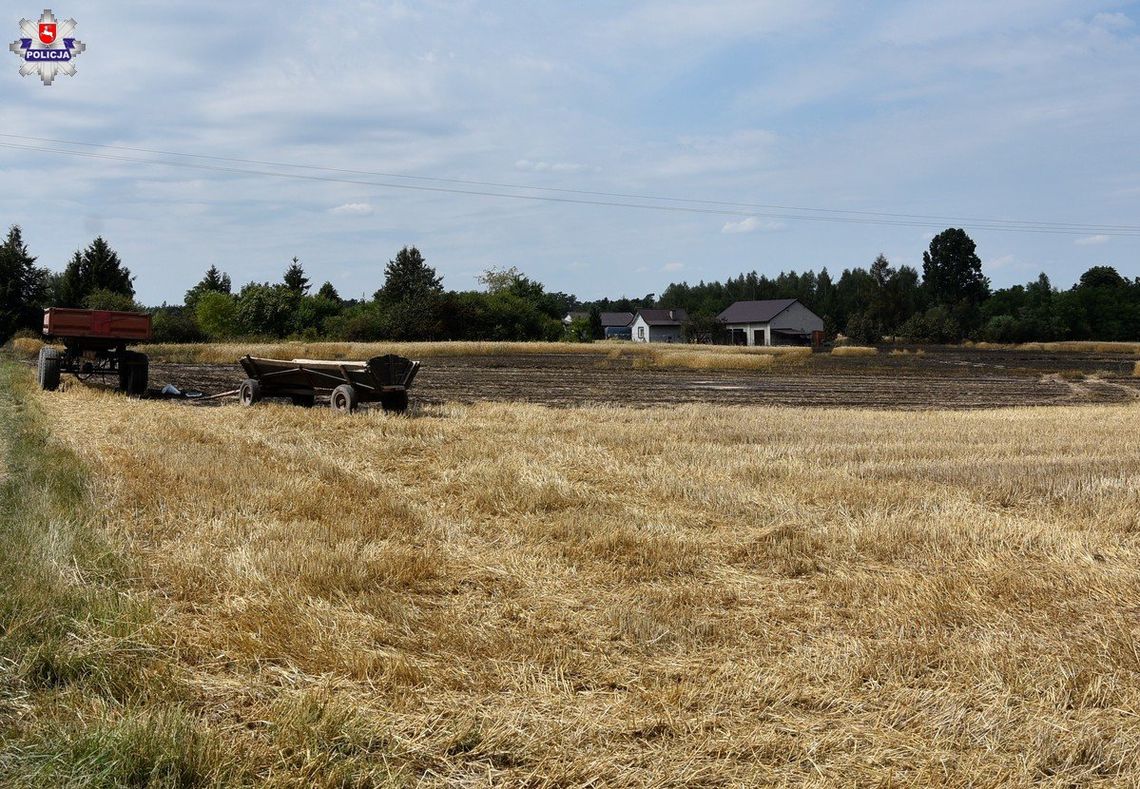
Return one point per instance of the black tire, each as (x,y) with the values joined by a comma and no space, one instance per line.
(395,402)
(344,398)
(134,371)
(305,401)
(47,371)
(249,392)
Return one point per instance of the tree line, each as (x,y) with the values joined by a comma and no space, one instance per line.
(948,301)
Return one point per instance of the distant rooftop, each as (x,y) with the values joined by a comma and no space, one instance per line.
(611,319)
(762,311)
(673,317)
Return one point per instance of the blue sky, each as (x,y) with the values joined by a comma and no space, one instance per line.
(1013,110)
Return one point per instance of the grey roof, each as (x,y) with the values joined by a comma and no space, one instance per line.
(610,319)
(662,317)
(755,311)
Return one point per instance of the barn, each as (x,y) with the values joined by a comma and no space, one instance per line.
(658,325)
(770,322)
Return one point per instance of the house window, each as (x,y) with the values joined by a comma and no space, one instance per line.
(641,332)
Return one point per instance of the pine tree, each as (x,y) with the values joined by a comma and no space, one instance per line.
(96,268)
(327,291)
(409,277)
(214,281)
(19,279)
(295,279)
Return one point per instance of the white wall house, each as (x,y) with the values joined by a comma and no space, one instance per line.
(770,322)
(657,325)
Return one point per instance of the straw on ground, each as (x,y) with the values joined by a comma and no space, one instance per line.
(699,595)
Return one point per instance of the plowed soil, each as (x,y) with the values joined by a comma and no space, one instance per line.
(943,378)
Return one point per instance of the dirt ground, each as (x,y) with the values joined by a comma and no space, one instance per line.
(939,378)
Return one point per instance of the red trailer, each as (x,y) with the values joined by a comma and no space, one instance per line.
(95,343)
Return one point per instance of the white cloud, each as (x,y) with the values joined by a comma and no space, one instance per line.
(352,209)
(1089,241)
(526,165)
(673,267)
(750,225)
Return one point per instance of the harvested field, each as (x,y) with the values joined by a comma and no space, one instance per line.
(509,594)
(953,378)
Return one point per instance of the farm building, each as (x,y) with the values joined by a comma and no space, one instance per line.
(770,322)
(570,317)
(616,325)
(657,325)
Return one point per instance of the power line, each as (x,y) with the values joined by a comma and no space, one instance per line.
(900,220)
(1082,227)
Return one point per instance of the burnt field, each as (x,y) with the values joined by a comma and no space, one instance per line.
(937,378)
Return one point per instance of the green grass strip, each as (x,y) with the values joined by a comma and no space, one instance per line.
(84,698)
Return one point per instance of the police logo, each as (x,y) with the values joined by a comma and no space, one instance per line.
(47,48)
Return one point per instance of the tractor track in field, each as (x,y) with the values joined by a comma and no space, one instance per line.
(956,379)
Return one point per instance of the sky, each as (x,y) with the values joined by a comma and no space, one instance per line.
(968,112)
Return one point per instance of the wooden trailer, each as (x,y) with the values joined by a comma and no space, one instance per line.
(382,379)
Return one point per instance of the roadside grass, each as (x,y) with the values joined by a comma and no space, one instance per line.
(854,350)
(515,595)
(91,692)
(77,668)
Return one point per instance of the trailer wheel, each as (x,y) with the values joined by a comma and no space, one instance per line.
(134,370)
(47,371)
(305,400)
(395,402)
(344,398)
(249,392)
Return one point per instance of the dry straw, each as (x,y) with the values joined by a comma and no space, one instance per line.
(26,346)
(223,353)
(1082,346)
(513,595)
(854,350)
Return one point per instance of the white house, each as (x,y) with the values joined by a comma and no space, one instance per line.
(657,325)
(771,322)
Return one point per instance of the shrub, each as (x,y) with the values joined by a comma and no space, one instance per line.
(175,324)
(111,300)
(216,314)
(1003,329)
(863,329)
